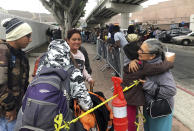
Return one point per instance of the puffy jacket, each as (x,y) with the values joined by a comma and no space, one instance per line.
(14,74)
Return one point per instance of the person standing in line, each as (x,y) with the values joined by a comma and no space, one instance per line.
(49,34)
(14,70)
(134,43)
(74,41)
(120,42)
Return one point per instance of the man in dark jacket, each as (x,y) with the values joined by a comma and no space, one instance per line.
(14,70)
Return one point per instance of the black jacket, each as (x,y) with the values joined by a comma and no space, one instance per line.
(87,61)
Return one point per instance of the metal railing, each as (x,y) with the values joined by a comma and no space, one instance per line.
(113,57)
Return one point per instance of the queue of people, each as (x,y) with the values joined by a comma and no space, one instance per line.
(140,66)
(53,34)
(61,76)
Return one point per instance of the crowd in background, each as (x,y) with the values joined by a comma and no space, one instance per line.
(53,34)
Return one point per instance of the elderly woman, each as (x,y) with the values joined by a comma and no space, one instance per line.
(138,70)
(151,51)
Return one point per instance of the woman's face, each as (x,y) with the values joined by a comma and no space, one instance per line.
(144,53)
(75,41)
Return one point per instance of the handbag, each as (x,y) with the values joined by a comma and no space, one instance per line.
(158,107)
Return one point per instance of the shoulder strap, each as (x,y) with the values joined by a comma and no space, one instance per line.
(74,62)
(53,80)
(70,69)
(156,92)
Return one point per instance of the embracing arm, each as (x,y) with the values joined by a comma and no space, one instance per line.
(158,68)
(166,84)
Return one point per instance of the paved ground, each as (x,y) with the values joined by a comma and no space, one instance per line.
(104,84)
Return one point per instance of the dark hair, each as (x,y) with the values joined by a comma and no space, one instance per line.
(71,32)
(131,50)
(116,28)
(131,29)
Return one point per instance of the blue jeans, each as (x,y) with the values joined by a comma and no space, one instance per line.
(5,125)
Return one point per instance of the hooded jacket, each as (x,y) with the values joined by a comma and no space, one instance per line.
(58,56)
(14,74)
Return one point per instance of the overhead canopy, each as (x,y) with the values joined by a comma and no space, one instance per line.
(108,8)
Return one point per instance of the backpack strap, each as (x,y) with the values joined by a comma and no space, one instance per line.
(69,70)
(47,80)
(156,93)
(74,62)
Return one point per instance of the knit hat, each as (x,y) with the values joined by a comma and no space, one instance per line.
(15,28)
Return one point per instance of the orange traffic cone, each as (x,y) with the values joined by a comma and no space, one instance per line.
(119,104)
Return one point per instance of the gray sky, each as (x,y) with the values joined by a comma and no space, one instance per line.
(24,5)
(36,6)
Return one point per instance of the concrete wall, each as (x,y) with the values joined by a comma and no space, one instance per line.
(38,31)
(2,33)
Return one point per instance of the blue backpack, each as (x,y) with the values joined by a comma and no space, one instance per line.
(47,96)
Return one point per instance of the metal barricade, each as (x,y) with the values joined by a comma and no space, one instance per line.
(114,57)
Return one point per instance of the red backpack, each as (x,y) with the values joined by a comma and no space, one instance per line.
(38,62)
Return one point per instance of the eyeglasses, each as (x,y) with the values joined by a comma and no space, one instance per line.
(142,52)
(29,35)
